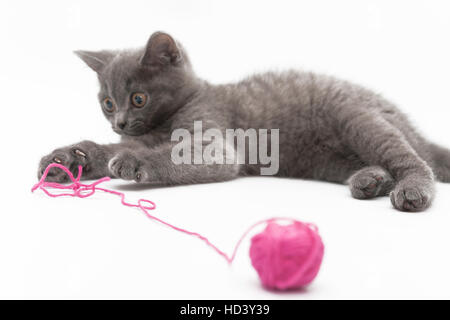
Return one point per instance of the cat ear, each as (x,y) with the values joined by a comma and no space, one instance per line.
(161,50)
(96,60)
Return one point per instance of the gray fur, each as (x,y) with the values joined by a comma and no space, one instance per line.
(330,129)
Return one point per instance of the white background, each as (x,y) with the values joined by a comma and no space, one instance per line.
(95,248)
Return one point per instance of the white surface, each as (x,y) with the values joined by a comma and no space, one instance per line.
(95,248)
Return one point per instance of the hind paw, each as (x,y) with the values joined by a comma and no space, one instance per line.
(370,182)
(412,196)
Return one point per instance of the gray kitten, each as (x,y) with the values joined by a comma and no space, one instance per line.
(329,129)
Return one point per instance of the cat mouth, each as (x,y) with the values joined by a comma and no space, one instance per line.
(135,129)
(133,133)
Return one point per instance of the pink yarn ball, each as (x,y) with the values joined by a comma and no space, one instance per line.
(287,256)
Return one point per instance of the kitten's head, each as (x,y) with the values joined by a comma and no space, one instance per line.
(141,88)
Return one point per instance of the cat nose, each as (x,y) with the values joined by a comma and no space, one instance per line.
(121,124)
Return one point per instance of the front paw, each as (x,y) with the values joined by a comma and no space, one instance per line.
(125,166)
(70,157)
(412,196)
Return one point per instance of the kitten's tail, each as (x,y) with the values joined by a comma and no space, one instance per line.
(441,162)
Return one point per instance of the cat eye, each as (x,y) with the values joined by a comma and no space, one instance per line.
(138,99)
(108,105)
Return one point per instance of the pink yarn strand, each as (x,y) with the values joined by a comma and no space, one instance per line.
(82,190)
